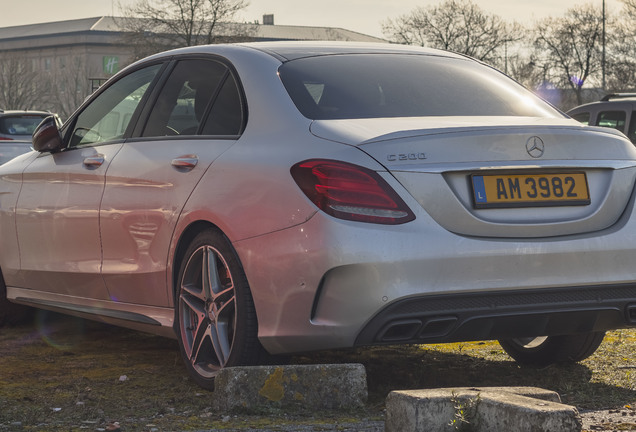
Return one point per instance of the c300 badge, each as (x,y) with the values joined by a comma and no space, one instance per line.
(406,157)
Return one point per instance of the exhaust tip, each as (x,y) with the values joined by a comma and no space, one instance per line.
(412,330)
(630,312)
(400,331)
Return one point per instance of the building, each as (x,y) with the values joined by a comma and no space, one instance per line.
(75,57)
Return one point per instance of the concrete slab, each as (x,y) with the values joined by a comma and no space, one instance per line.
(492,409)
(296,387)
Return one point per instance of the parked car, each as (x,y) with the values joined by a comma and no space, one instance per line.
(16,128)
(263,199)
(616,110)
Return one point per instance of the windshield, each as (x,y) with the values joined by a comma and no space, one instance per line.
(404,85)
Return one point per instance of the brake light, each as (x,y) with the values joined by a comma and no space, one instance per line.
(6,139)
(351,192)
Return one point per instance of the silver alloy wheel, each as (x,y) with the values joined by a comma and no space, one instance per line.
(530,342)
(207,311)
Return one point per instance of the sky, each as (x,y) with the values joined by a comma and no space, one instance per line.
(363,16)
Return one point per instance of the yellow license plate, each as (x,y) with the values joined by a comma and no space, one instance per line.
(530,190)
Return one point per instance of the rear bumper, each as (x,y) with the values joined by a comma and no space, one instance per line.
(502,315)
(328,283)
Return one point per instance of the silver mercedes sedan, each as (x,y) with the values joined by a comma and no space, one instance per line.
(255,200)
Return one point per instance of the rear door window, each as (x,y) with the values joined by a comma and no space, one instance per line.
(227,114)
(583,117)
(185,98)
(612,119)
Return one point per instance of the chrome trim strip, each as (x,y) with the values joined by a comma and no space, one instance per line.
(472,166)
(118,314)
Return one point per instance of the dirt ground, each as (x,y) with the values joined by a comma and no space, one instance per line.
(66,374)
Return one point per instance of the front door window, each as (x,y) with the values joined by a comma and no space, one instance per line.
(107,118)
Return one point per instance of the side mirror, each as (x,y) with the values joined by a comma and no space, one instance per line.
(46,137)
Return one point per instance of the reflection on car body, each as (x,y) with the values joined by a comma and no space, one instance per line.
(270,198)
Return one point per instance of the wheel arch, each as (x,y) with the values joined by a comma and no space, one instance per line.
(186,237)
(188,234)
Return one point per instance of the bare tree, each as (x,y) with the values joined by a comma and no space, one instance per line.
(621,51)
(527,71)
(572,47)
(68,86)
(455,25)
(20,86)
(629,8)
(156,25)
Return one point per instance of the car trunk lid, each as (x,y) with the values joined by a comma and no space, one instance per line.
(501,177)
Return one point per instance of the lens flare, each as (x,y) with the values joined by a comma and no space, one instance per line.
(60,332)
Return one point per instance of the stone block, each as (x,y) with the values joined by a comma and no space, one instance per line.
(295,387)
(492,409)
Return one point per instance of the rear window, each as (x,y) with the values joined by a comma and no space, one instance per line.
(19,125)
(398,85)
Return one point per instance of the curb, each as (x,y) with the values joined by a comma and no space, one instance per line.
(311,388)
(490,409)
(297,387)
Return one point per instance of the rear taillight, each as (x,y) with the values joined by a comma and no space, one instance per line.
(352,192)
(6,139)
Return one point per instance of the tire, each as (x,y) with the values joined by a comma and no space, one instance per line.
(11,313)
(215,319)
(547,350)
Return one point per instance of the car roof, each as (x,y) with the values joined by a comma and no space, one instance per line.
(599,105)
(625,99)
(619,96)
(291,50)
(27,112)
(300,49)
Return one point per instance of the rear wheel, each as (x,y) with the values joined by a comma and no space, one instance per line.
(215,317)
(546,350)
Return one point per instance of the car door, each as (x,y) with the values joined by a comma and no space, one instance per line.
(196,116)
(58,207)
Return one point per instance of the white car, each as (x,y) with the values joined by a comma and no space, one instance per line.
(271,198)
(16,128)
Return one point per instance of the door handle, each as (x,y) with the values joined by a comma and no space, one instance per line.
(94,161)
(187,162)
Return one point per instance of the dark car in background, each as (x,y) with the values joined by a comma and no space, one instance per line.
(16,128)
(616,110)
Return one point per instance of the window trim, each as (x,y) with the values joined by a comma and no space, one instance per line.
(142,112)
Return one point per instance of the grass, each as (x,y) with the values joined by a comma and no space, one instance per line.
(605,380)
(75,375)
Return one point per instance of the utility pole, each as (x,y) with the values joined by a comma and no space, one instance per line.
(603,42)
(506,56)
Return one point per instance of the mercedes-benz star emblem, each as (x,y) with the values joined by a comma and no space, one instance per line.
(535,147)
